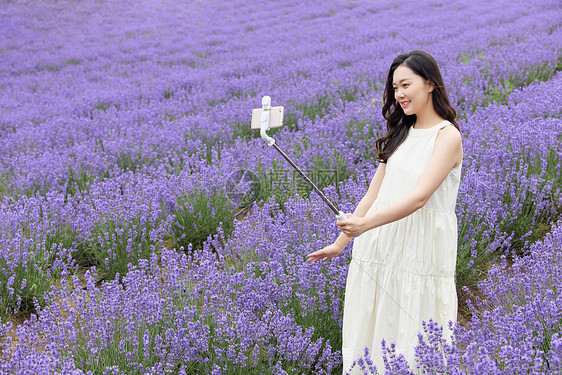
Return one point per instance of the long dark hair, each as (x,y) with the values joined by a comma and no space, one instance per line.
(397,122)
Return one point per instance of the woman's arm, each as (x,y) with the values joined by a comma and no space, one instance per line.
(447,153)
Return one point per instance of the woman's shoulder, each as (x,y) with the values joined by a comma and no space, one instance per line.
(450,141)
(450,132)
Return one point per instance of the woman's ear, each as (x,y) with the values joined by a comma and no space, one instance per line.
(430,85)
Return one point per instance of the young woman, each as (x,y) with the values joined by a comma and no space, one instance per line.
(404,254)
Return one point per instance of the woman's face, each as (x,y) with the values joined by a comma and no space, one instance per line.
(411,90)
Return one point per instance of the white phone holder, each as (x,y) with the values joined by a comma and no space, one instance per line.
(265,118)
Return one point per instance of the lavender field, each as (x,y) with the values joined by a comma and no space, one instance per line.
(125,125)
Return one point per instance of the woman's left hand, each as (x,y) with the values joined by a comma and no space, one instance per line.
(353,226)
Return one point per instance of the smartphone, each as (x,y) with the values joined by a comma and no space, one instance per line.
(275,117)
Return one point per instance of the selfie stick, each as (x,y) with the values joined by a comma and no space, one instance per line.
(264,126)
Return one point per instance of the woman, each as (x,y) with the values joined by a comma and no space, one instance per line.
(405,228)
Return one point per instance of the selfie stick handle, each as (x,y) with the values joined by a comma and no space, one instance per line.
(264,126)
(264,120)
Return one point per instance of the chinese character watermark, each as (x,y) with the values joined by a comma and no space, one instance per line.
(244,187)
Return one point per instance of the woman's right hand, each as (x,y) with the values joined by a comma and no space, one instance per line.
(326,253)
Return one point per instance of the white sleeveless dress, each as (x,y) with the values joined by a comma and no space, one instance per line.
(403,273)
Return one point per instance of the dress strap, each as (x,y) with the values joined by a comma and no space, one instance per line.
(426,131)
(442,124)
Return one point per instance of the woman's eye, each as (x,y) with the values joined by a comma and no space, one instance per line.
(406,85)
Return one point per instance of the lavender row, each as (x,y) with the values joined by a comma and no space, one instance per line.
(126,98)
(176,318)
